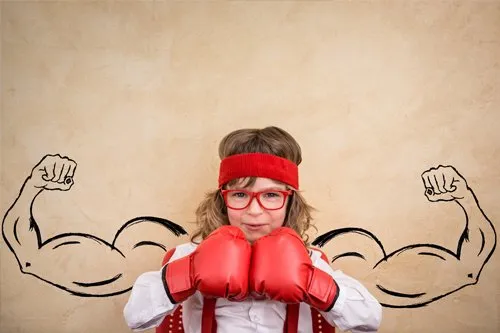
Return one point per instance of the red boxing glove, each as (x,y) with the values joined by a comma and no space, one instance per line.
(217,268)
(282,270)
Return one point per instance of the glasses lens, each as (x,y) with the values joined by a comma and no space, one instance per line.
(237,199)
(272,199)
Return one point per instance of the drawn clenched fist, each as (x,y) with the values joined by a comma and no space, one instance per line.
(444,183)
(54,172)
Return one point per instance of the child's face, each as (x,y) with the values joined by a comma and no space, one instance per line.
(255,221)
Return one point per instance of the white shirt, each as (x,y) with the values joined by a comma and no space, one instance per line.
(355,309)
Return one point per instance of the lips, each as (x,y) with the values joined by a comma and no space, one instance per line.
(254,227)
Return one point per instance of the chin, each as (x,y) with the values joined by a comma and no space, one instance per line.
(253,237)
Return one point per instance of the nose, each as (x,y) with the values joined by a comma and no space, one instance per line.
(254,208)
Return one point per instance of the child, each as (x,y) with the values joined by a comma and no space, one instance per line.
(253,262)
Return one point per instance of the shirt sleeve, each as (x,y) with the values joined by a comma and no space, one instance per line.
(148,303)
(355,310)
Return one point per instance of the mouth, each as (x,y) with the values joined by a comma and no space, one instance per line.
(254,227)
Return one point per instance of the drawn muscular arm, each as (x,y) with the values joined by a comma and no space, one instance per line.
(419,274)
(19,229)
(79,263)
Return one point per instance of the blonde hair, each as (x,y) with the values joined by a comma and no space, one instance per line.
(212,213)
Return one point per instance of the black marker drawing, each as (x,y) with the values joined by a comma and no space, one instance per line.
(398,280)
(419,274)
(73,261)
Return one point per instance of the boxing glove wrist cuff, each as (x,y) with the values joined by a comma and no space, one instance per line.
(176,278)
(323,291)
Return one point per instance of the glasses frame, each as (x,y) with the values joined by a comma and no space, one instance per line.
(256,195)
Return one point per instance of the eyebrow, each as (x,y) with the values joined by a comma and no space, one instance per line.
(270,188)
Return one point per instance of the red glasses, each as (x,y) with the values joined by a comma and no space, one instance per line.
(268,199)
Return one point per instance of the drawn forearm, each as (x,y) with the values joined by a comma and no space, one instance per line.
(18,227)
(479,238)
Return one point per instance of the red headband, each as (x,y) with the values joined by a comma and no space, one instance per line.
(258,165)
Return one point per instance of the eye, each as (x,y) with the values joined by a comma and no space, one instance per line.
(272,195)
(238,195)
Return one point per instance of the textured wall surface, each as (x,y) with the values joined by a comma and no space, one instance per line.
(138,94)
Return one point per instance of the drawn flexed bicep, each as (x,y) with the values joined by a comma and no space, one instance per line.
(418,274)
(19,229)
(80,263)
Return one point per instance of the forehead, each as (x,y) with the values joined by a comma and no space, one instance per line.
(257,183)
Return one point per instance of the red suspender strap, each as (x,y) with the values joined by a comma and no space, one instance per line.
(208,323)
(319,324)
(292,318)
(172,322)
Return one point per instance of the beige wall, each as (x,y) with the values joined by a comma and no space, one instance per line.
(139,93)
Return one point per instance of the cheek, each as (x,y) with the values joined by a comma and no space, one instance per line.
(278,218)
(234,217)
